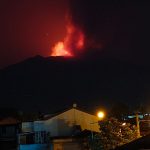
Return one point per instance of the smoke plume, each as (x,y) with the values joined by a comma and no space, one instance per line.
(117,27)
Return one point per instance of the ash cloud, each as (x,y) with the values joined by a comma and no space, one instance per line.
(117,27)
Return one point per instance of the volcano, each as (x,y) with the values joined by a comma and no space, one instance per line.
(52,83)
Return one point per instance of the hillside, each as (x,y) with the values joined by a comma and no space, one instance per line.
(53,83)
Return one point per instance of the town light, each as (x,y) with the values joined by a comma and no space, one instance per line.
(123,124)
(100,114)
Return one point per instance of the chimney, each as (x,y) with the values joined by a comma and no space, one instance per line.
(74,105)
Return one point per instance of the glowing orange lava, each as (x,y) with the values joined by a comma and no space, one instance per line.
(59,50)
(74,40)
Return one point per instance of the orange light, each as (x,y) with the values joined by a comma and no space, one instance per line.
(80,42)
(101,114)
(74,40)
(59,50)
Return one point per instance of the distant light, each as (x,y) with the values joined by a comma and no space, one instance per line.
(123,124)
(101,114)
(74,105)
(133,116)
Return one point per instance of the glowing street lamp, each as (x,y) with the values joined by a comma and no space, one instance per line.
(100,114)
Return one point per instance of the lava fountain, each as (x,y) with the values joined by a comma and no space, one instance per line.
(72,43)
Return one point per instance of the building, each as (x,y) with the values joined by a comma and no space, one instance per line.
(65,123)
(9,128)
(59,130)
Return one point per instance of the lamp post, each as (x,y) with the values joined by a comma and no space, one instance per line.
(100,115)
(137,125)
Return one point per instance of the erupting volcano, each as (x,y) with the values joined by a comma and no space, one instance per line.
(72,44)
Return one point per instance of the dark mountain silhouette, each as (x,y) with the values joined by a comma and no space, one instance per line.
(53,83)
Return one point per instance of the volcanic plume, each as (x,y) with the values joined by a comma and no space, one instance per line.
(112,27)
(73,42)
(84,31)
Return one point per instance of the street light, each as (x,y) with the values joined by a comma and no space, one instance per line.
(100,114)
(138,125)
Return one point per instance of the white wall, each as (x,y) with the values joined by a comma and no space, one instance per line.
(51,126)
(39,126)
(33,126)
(27,126)
(61,125)
(87,121)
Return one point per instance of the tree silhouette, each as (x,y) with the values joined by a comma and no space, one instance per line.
(112,134)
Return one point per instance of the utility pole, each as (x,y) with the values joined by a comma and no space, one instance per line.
(138,125)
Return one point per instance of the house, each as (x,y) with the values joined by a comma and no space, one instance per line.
(9,128)
(65,123)
(59,130)
(77,142)
(68,143)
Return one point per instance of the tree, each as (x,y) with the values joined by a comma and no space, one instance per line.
(112,134)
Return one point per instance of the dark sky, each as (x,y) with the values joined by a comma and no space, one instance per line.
(121,27)
(31,27)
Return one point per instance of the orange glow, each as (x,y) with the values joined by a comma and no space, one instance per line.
(80,42)
(73,41)
(59,50)
(101,114)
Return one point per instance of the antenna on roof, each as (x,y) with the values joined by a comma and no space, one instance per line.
(74,105)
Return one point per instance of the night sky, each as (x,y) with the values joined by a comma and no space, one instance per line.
(121,28)
(113,30)
(29,28)
(32,27)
